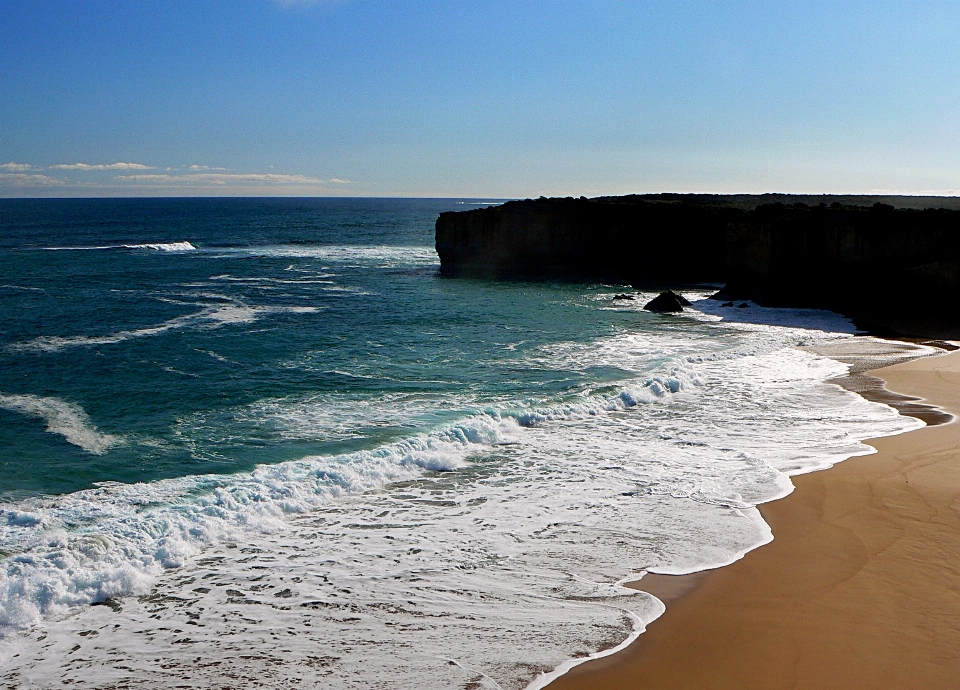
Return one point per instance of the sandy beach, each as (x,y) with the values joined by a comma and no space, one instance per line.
(859,589)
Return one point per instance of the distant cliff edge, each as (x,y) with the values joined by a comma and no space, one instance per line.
(890,263)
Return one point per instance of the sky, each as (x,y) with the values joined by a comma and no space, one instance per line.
(503,98)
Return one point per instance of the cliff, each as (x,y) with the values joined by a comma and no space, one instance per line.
(893,267)
(626,240)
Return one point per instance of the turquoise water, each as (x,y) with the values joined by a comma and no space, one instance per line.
(329,302)
(283,400)
(277,300)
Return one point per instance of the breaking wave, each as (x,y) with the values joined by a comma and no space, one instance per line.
(155,246)
(61,559)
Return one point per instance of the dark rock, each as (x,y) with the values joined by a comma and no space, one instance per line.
(665,302)
(727,304)
(623,296)
(942,344)
(609,240)
(680,298)
(721,294)
(742,305)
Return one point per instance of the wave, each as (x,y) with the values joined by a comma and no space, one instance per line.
(210,317)
(332,417)
(61,559)
(164,246)
(649,390)
(64,418)
(116,540)
(183,246)
(144,529)
(355,256)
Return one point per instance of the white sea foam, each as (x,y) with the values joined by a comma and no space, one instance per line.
(261,498)
(64,418)
(330,417)
(744,314)
(183,246)
(346,256)
(317,279)
(639,626)
(790,318)
(164,246)
(22,287)
(501,566)
(62,559)
(220,509)
(213,316)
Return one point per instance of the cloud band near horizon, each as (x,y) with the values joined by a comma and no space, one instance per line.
(18,178)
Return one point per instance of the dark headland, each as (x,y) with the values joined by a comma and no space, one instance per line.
(891,263)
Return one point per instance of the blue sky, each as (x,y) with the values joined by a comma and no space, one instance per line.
(499,98)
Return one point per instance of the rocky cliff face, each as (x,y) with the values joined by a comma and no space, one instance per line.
(638,242)
(891,269)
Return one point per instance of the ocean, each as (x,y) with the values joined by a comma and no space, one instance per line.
(262,442)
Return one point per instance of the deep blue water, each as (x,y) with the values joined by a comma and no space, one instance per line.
(235,352)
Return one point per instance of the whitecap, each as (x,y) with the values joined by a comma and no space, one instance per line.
(164,246)
(183,246)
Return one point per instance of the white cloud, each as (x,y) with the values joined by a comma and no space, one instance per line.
(150,178)
(28,180)
(101,166)
(217,179)
(188,179)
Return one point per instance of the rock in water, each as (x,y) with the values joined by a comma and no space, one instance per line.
(667,301)
(680,298)
(723,294)
(623,296)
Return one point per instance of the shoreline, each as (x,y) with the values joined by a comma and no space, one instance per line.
(859,589)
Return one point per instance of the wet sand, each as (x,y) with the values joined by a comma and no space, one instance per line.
(859,589)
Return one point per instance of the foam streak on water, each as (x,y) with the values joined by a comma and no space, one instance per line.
(212,316)
(64,418)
